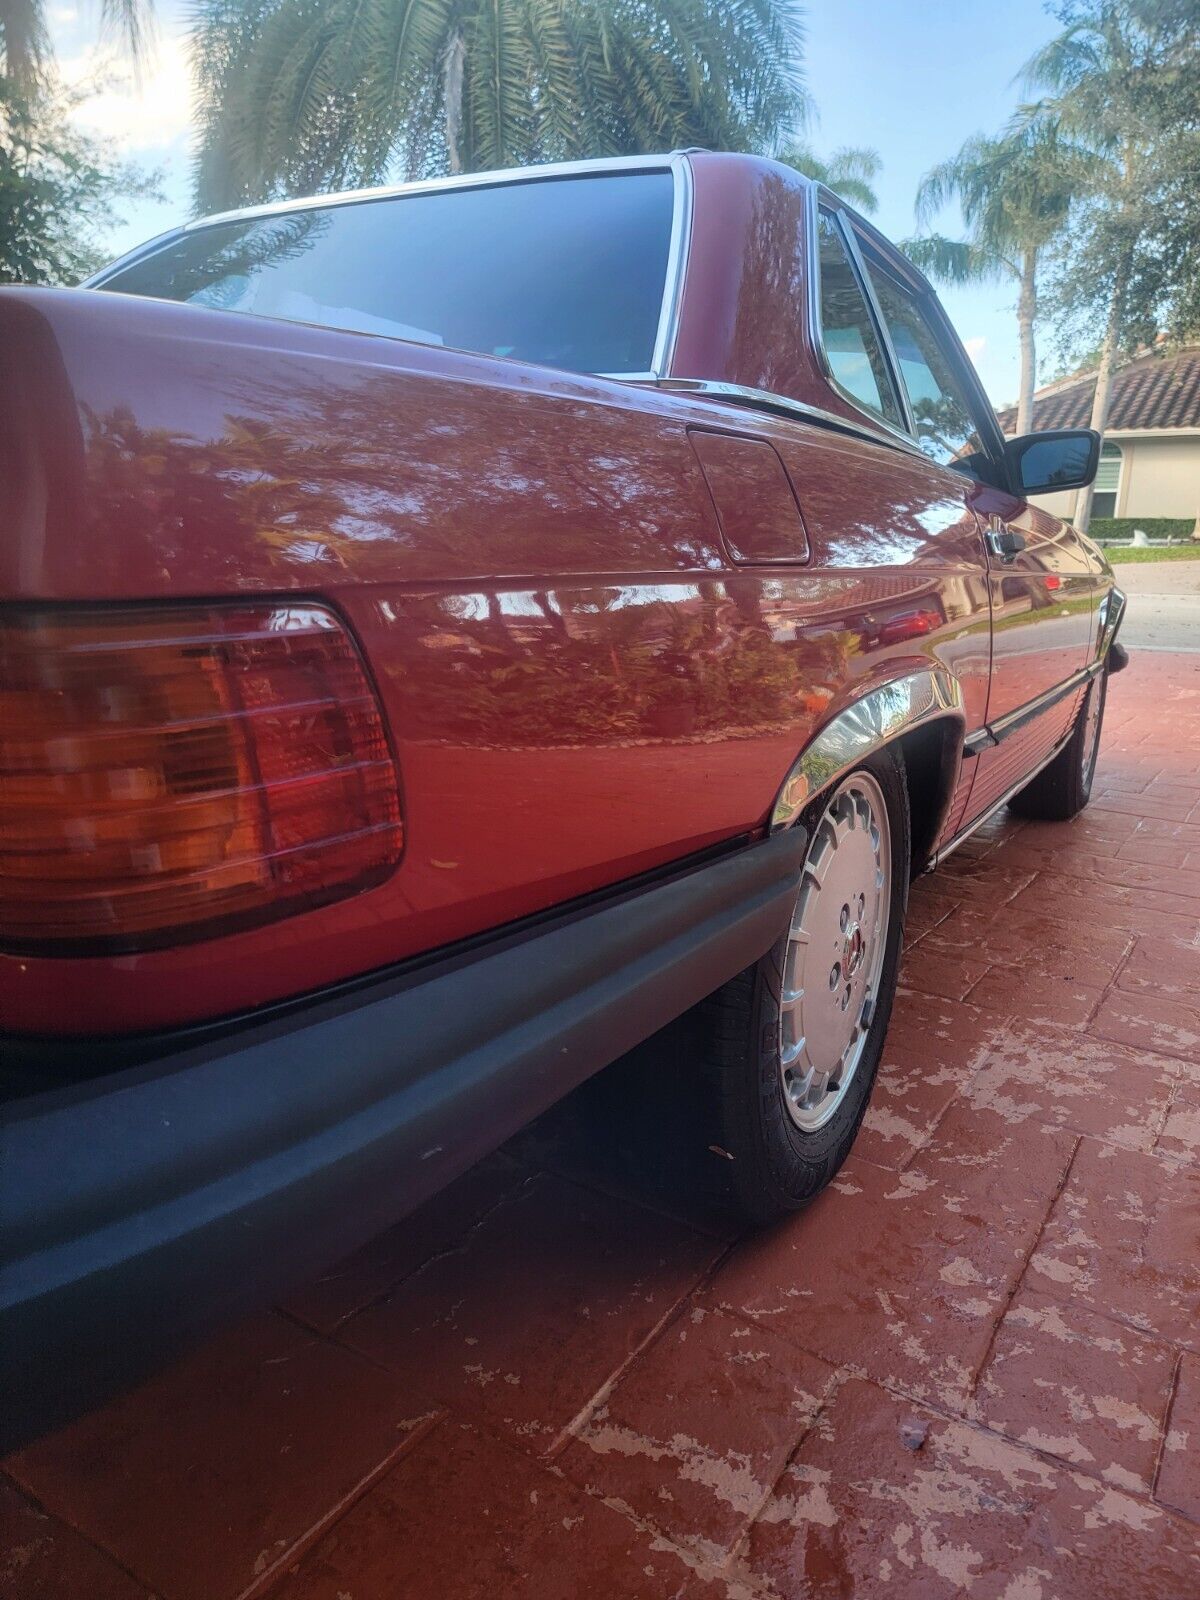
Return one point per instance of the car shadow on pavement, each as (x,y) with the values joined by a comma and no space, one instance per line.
(637,1131)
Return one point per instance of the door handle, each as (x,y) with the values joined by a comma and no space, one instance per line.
(1004,542)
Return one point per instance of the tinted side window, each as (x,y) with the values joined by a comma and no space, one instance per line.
(848,335)
(946,428)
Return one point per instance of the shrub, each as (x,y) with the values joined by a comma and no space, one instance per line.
(1102,529)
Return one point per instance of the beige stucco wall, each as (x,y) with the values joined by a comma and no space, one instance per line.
(1159,478)
(1059,505)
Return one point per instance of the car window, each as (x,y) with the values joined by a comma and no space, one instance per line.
(567,272)
(848,335)
(946,429)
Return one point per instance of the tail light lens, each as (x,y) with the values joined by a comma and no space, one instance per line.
(174,772)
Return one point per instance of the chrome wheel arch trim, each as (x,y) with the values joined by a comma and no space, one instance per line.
(877,718)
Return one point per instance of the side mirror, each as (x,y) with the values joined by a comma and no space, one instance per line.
(1060,458)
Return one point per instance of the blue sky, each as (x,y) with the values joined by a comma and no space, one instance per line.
(911,80)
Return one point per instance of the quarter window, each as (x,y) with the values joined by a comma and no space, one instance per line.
(851,344)
(945,427)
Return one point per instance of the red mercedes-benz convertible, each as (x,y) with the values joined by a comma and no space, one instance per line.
(445,634)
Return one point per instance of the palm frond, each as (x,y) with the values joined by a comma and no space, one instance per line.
(952,261)
(132,23)
(316,88)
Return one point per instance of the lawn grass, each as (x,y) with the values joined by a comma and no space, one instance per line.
(1165,552)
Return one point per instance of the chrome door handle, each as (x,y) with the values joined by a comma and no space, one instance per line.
(1004,542)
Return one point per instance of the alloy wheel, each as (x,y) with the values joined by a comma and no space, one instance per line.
(835,951)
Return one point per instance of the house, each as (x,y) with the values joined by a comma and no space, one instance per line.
(1150,462)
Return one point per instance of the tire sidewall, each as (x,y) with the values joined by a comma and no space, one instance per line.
(1088,764)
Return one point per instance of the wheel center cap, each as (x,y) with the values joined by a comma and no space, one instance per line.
(853,953)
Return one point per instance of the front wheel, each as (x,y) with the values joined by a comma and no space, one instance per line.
(1062,789)
(792,1045)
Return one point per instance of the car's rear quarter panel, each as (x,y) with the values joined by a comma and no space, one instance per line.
(578,686)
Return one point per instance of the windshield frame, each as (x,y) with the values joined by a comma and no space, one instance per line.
(681,218)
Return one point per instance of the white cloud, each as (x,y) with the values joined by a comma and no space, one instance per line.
(975,347)
(142,116)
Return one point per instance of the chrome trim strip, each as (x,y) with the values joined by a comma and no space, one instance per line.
(782,405)
(148,247)
(677,258)
(964,834)
(1011,721)
(1113,613)
(462,180)
(861,729)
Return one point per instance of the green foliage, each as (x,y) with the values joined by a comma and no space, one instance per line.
(953,261)
(1014,191)
(1123,79)
(59,189)
(296,96)
(1120,555)
(1104,528)
(850,171)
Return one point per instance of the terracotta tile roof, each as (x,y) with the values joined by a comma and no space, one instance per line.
(1152,392)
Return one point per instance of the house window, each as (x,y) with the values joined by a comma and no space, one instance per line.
(1108,482)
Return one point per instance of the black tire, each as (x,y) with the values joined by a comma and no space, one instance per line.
(765,1164)
(1061,790)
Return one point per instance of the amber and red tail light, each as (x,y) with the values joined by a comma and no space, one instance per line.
(175,772)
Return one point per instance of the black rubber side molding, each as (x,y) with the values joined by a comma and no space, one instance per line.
(141,1209)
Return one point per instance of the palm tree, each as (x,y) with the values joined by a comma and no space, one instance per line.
(850,171)
(1112,80)
(1015,193)
(25,43)
(299,95)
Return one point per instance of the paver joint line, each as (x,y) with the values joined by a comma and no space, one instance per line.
(1166,1428)
(1020,1278)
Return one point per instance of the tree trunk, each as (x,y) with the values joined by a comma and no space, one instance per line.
(1113,329)
(1026,312)
(1099,416)
(23,40)
(453,63)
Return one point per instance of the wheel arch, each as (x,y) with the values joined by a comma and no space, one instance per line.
(921,715)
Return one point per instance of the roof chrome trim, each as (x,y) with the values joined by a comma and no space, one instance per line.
(677,259)
(783,405)
(676,163)
(461,180)
(876,719)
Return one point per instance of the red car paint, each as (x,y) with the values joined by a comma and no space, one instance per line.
(593,656)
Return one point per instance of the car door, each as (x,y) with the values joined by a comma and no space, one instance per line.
(1045,593)
(1041,586)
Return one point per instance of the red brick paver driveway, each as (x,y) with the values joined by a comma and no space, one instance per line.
(972,1368)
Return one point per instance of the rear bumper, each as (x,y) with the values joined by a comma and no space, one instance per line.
(143,1207)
